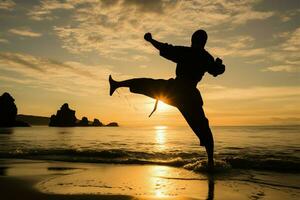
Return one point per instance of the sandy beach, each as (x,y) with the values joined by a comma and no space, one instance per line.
(28,179)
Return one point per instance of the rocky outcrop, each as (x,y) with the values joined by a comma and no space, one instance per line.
(83,122)
(97,122)
(8,112)
(65,117)
(113,124)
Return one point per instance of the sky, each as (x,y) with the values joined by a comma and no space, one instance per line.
(55,51)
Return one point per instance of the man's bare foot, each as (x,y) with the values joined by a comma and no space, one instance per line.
(112,84)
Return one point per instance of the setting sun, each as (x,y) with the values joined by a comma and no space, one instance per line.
(162,106)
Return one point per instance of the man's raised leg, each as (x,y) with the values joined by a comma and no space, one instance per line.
(145,86)
(116,84)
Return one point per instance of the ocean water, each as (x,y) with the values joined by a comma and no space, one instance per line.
(272,148)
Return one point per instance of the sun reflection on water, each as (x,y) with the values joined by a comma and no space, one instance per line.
(160,136)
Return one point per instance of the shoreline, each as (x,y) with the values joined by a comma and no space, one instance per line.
(39,179)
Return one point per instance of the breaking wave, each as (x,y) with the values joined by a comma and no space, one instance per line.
(191,161)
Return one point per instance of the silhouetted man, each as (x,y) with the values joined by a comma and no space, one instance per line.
(181,92)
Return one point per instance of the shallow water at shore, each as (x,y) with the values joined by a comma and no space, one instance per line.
(272,148)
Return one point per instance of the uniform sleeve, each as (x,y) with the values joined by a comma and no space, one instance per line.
(173,53)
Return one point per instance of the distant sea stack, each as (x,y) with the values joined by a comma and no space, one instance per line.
(96,122)
(65,117)
(113,124)
(8,112)
(83,122)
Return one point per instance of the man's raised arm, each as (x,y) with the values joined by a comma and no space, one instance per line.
(158,45)
(168,51)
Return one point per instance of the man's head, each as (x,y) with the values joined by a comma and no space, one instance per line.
(199,38)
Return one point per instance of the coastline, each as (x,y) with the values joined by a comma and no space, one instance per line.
(36,179)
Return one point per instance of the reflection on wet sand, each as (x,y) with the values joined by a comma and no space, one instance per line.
(94,181)
(133,180)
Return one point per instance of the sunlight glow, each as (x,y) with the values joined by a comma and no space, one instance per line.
(160,127)
(162,106)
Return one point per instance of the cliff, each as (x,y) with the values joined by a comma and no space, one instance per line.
(65,117)
(8,112)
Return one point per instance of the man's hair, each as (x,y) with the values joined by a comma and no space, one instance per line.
(199,38)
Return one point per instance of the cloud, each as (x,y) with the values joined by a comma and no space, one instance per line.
(26,32)
(14,80)
(293,42)
(3,40)
(46,7)
(286,55)
(237,46)
(68,77)
(259,93)
(44,64)
(283,68)
(288,15)
(157,6)
(249,14)
(112,28)
(7,4)
(44,10)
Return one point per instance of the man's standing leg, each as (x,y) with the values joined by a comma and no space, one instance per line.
(195,117)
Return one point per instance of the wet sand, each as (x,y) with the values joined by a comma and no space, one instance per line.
(27,179)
